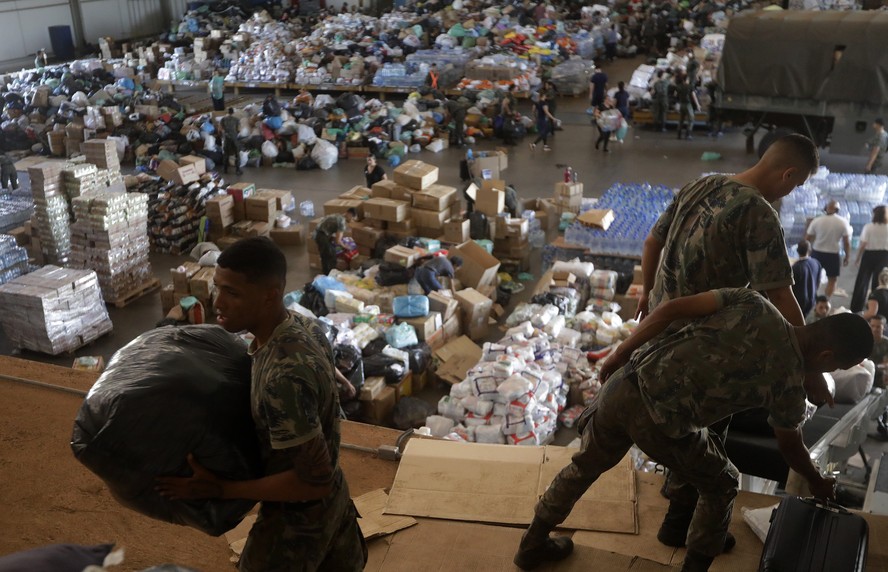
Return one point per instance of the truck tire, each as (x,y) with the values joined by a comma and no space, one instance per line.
(770,137)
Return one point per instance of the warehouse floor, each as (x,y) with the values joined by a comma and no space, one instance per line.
(646,156)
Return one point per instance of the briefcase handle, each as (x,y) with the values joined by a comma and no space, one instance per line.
(827,505)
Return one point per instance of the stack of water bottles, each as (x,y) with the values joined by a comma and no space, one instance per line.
(13,259)
(857,195)
(636,206)
(14,212)
(401,75)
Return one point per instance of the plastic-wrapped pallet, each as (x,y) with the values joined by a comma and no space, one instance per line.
(53,310)
(13,259)
(110,236)
(51,211)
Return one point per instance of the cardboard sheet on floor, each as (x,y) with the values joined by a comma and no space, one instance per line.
(443,546)
(373,522)
(651,509)
(501,484)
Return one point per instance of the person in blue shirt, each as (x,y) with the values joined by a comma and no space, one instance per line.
(599,88)
(621,100)
(806,272)
(427,274)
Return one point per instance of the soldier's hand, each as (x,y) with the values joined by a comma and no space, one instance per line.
(201,485)
(613,362)
(642,310)
(823,488)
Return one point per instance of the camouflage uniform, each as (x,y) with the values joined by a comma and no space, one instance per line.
(328,228)
(294,399)
(717,233)
(752,359)
(661,102)
(685,108)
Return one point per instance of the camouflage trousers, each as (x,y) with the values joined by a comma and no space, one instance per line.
(609,426)
(659,109)
(307,537)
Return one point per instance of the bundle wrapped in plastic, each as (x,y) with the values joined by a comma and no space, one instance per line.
(492,352)
(439,426)
(332,296)
(603,279)
(410,306)
(401,336)
(489,434)
(543,316)
(169,393)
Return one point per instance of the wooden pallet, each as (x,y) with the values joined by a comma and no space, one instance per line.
(136,293)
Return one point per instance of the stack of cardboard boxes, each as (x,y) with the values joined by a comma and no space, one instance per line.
(511,243)
(189,279)
(568,197)
(102,153)
(246,211)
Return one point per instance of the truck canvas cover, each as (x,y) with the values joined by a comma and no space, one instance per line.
(793,54)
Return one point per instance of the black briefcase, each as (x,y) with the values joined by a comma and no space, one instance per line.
(808,535)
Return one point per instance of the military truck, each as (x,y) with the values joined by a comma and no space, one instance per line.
(822,74)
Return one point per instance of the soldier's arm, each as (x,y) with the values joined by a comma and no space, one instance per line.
(311,478)
(685,308)
(650,260)
(797,456)
(785,302)
(874,152)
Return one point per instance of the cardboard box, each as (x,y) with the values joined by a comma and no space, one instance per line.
(452,327)
(544,210)
(416,174)
(241,191)
(386,209)
(444,305)
(167,298)
(382,189)
(201,284)
(220,210)
(401,255)
(405,225)
(637,275)
(628,306)
(169,170)
(435,198)
(365,235)
(371,389)
(199,163)
(290,236)
(378,410)
(456,358)
(357,192)
(511,247)
(425,326)
(489,166)
(341,206)
(183,274)
(457,231)
(475,308)
(491,197)
(479,268)
(403,388)
(430,219)
(261,207)
(516,228)
(568,189)
(599,218)
(285,201)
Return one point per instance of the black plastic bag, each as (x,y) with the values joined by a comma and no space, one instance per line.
(411,413)
(391,273)
(381,365)
(374,347)
(313,300)
(171,392)
(56,558)
(420,357)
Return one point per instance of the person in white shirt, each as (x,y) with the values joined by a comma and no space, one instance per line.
(826,233)
(872,257)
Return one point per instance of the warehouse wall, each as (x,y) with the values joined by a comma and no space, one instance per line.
(121,18)
(24,24)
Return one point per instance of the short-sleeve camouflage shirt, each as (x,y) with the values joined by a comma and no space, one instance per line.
(294,396)
(719,233)
(743,356)
(880,351)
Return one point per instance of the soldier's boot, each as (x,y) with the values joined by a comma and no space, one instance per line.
(538,547)
(696,562)
(674,530)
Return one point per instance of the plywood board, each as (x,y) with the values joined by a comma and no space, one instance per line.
(501,484)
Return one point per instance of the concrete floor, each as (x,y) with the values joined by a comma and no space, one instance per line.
(646,156)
